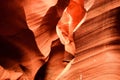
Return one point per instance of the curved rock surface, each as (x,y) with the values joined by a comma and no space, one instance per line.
(31,50)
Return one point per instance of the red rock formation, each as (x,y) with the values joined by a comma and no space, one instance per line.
(27,33)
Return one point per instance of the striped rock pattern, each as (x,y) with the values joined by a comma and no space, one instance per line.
(98,44)
(98,47)
(27,31)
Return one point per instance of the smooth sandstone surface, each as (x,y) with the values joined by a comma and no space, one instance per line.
(30,48)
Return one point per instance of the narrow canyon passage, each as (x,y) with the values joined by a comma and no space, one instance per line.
(30,48)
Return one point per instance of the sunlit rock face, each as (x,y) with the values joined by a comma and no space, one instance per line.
(24,47)
(97,42)
(27,33)
(42,17)
(98,49)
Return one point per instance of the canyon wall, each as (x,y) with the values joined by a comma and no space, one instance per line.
(31,50)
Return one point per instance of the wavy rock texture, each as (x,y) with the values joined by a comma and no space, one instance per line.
(42,20)
(27,33)
(23,46)
(97,42)
(18,49)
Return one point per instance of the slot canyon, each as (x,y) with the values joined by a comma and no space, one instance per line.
(33,40)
